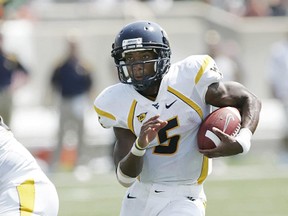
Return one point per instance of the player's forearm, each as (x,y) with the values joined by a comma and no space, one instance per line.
(239,96)
(128,169)
(250,113)
(131,165)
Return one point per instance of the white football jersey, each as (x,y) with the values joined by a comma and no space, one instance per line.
(172,157)
(24,187)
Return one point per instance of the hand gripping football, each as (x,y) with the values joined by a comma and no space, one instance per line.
(227,119)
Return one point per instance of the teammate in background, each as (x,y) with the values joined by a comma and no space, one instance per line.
(12,76)
(278,79)
(72,81)
(24,189)
(156,111)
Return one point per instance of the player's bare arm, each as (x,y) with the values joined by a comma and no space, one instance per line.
(236,95)
(130,164)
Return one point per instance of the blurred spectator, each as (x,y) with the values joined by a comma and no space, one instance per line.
(256,8)
(224,53)
(72,80)
(278,77)
(236,7)
(12,76)
(278,7)
(252,8)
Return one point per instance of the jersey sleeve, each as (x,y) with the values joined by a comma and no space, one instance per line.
(207,73)
(102,106)
(108,106)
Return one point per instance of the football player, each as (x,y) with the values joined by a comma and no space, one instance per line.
(156,111)
(24,188)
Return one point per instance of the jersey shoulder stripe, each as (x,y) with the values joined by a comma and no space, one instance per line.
(103,113)
(187,100)
(194,68)
(207,60)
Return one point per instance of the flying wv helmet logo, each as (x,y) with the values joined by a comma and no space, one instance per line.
(228,119)
(141,117)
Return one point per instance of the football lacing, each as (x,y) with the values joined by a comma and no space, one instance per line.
(236,130)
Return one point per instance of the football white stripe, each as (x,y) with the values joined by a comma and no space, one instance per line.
(209,134)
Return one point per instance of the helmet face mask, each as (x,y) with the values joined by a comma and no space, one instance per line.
(141,36)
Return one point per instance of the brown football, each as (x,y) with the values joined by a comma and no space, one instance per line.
(227,119)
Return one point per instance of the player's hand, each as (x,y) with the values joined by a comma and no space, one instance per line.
(228,146)
(149,130)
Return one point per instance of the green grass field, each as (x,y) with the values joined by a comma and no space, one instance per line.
(234,191)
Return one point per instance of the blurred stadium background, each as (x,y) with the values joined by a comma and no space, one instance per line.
(35,31)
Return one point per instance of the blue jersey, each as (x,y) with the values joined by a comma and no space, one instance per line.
(8,66)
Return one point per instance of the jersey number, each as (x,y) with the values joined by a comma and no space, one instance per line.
(168,145)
